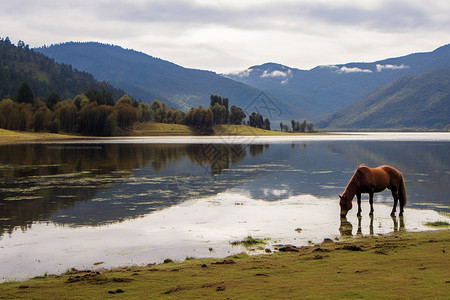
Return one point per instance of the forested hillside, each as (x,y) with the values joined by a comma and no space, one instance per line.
(20,64)
(38,94)
(415,102)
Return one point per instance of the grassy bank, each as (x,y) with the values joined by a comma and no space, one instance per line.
(161,129)
(142,129)
(401,266)
(10,137)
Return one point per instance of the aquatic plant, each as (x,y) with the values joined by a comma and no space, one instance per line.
(437,224)
(249,241)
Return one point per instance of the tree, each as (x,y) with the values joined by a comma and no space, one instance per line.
(94,96)
(66,113)
(144,112)
(237,115)
(80,101)
(302,126)
(106,93)
(110,124)
(219,107)
(200,119)
(126,113)
(266,124)
(219,113)
(8,114)
(174,116)
(95,119)
(52,99)
(25,117)
(215,99)
(124,99)
(25,93)
(42,118)
(159,111)
(256,120)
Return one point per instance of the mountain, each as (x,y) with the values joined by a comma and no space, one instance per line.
(148,78)
(414,102)
(285,93)
(325,89)
(20,64)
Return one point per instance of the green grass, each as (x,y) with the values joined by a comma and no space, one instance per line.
(402,265)
(248,242)
(159,129)
(437,224)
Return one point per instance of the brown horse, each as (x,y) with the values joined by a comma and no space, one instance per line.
(373,180)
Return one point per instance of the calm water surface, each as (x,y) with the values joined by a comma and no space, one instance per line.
(119,202)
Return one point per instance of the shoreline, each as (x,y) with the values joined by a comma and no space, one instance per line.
(411,264)
(19,137)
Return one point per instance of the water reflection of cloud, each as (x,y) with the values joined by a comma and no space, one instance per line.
(276,193)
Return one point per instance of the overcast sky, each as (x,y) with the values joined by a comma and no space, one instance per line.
(230,35)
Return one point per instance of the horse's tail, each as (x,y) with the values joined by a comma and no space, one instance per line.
(402,192)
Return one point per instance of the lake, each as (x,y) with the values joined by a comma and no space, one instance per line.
(135,201)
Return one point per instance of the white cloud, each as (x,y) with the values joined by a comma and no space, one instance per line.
(329,67)
(242,74)
(391,67)
(345,70)
(233,35)
(285,76)
(276,73)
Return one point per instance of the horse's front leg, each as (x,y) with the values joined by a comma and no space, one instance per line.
(358,197)
(371,203)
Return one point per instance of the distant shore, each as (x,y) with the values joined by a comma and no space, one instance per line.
(147,130)
(230,134)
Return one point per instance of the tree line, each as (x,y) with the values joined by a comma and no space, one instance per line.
(297,126)
(95,112)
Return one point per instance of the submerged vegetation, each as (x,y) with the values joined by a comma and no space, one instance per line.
(438,224)
(249,241)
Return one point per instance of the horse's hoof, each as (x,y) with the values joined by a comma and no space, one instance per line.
(400,214)
(393,215)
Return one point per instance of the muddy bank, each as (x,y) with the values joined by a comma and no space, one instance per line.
(405,265)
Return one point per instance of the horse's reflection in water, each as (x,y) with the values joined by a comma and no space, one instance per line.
(346,228)
(399,227)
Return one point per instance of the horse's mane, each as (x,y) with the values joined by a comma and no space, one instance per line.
(353,183)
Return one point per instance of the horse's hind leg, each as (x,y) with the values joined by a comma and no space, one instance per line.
(358,197)
(371,203)
(395,195)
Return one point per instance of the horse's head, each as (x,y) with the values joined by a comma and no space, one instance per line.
(346,205)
